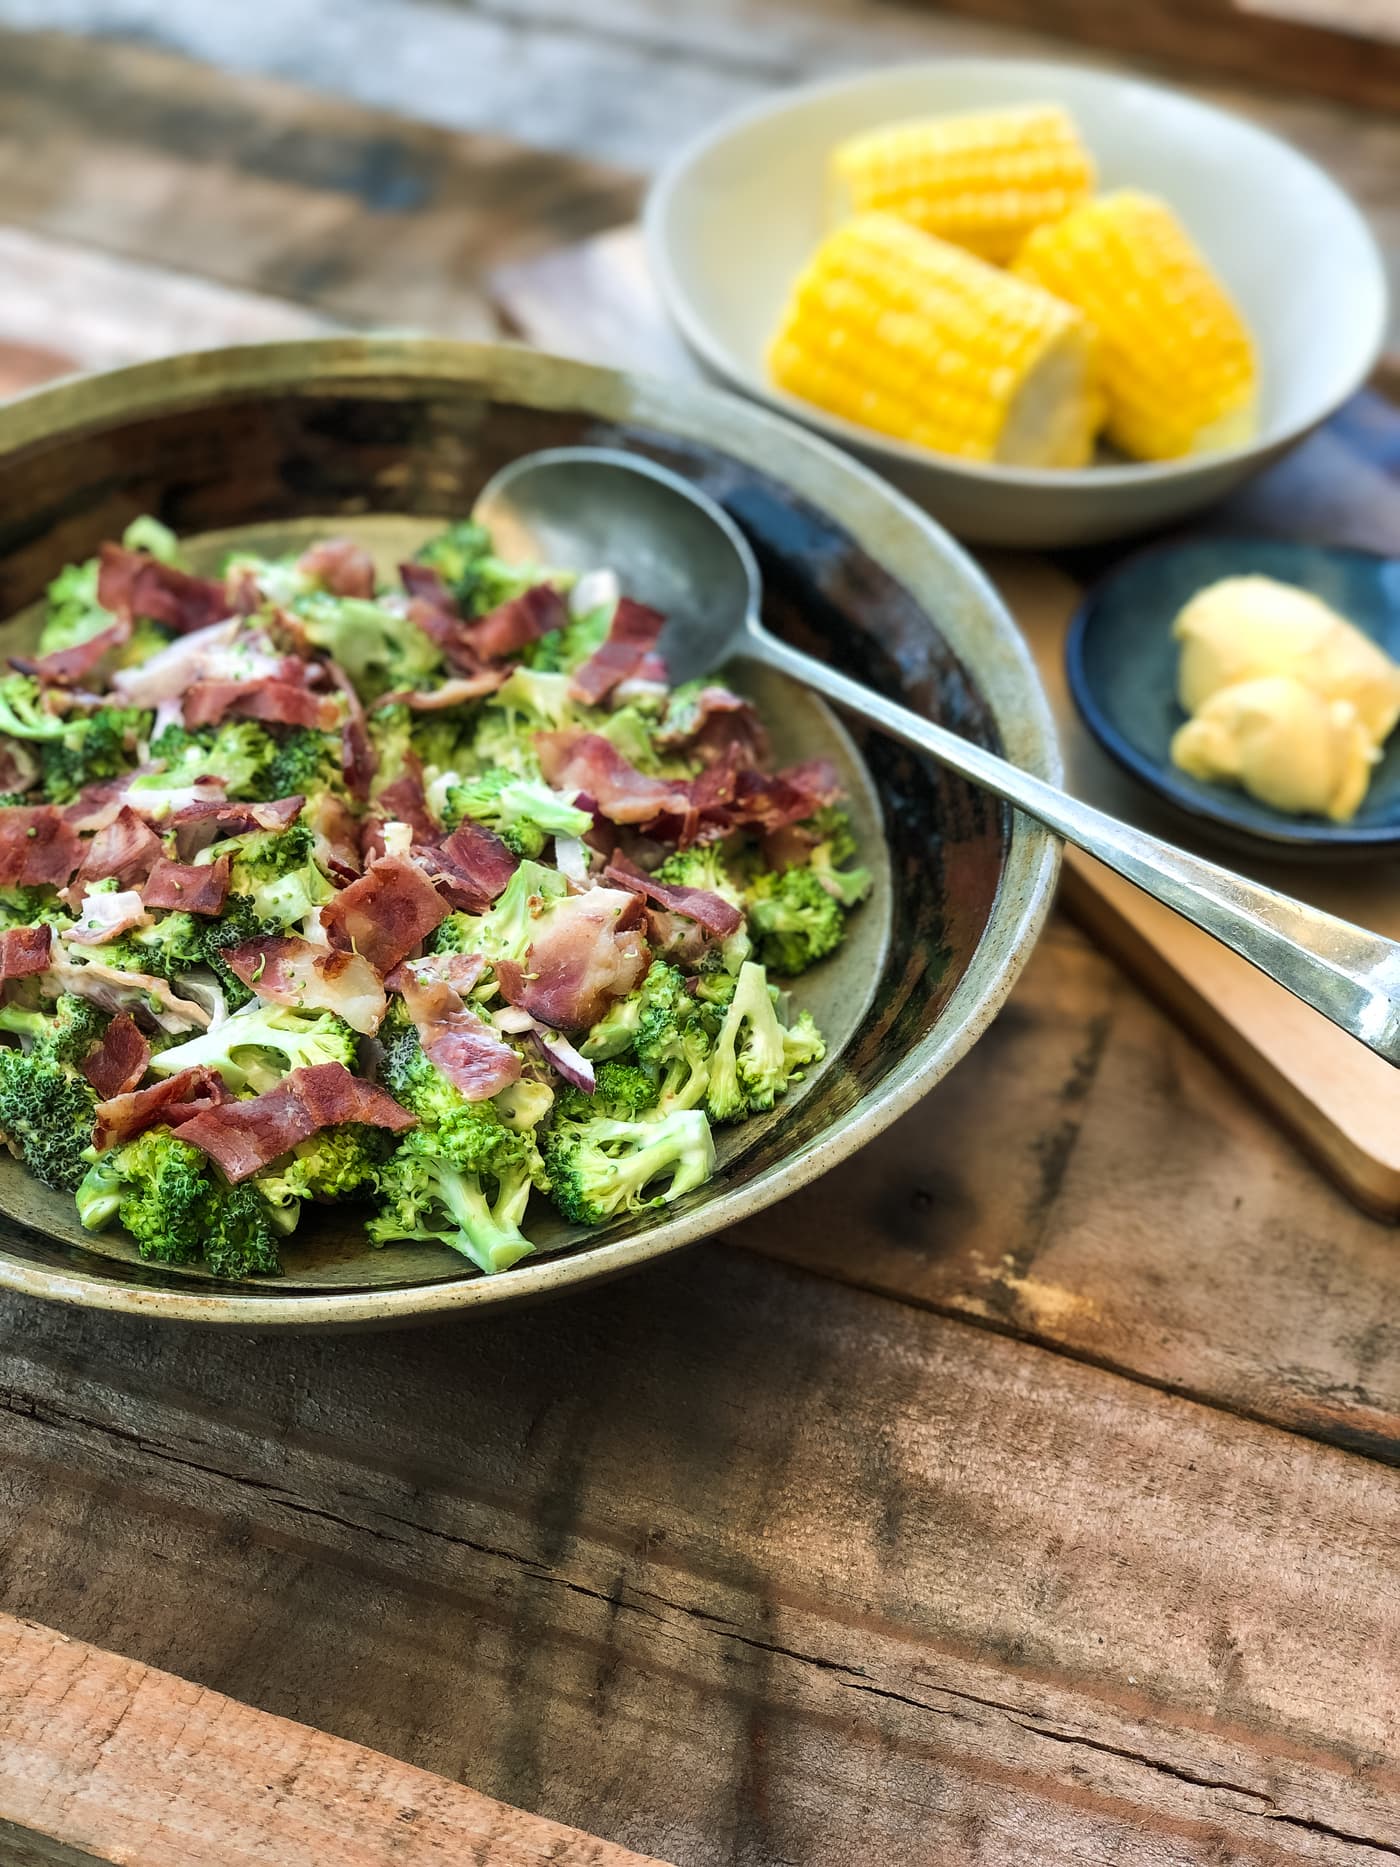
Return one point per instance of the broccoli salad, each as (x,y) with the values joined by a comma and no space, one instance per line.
(428,897)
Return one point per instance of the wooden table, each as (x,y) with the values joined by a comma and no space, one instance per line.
(1025,1492)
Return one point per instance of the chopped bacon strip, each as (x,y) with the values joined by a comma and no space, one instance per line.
(471,867)
(281,703)
(197,887)
(65,667)
(509,627)
(105,915)
(587,951)
(358,760)
(454,693)
(38,847)
(288,970)
(459,970)
(340,566)
(244,1136)
(119,1061)
(385,914)
(426,584)
(131,584)
(719,725)
(464,1048)
(196,825)
(769,800)
(122,1117)
(573,760)
(405,801)
(24,950)
(125,849)
(711,911)
(632,634)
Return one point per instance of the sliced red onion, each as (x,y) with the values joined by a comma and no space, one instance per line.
(560,1053)
(571,860)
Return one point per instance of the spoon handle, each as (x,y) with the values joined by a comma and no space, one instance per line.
(1349,975)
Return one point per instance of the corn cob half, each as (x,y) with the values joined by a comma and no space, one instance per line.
(1177,362)
(982,180)
(897,331)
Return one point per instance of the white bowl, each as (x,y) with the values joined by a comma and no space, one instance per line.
(732,218)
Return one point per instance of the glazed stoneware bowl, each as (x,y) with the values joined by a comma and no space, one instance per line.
(386,438)
(732,219)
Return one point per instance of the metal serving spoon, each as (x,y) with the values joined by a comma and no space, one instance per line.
(579,508)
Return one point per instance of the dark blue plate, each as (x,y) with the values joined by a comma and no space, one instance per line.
(1121,661)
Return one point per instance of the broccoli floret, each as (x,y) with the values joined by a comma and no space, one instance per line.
(672,1037)
(470,1198)
(73,613)
(508,928)
(599,1167)
(615,1033)
(338,1163)
(306,762)
(239,921)
(256,1049)
(755,1059)
(795,920)
(563,650)
(46,1115)
(173,945)
(64,1034)
(99,745)
(622,1091)
(23,907)
(178,1207)
(378,649)
(240,752)
(523,813)
(22,710)
(276,873)
(478,579)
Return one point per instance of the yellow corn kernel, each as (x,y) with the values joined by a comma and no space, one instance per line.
(895,330)
(1177,362)
(982,180)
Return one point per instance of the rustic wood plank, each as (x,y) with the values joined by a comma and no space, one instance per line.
(272,189)
(104,1759)
(731,1563)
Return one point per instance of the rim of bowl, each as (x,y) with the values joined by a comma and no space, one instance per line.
(695,331)
(813,468)
(1305,837)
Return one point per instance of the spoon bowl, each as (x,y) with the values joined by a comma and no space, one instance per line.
(585,508)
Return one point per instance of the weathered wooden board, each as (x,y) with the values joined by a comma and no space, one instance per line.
(103,1759)
(727,1562)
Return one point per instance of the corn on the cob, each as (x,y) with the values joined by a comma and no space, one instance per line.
(983,180)
(901,332)
(1177,362)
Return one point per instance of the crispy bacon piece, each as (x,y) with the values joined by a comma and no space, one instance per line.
(197,887)
(464,1048)
(507,629)
(104,916)
(358,760)
(244,1136)
(131,584)
(38,847)
(632,634)
(280,703)
(426,584)
(122,1117)
(454,693)
(288,970)
(721,726)
(459,970)
(405,801)
(587,951)
(574,760)
(24,950)
(385,914)
(196,825)
(66,667)
(471,867)
(711,911)
(126,849)
(769,800)
(340,566)
(119,1061)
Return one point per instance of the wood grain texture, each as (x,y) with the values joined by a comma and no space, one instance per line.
(727,1562)
(104,1759)
(260,185)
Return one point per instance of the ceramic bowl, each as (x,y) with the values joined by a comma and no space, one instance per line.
(387,436)
(1121,661)
(732,219)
